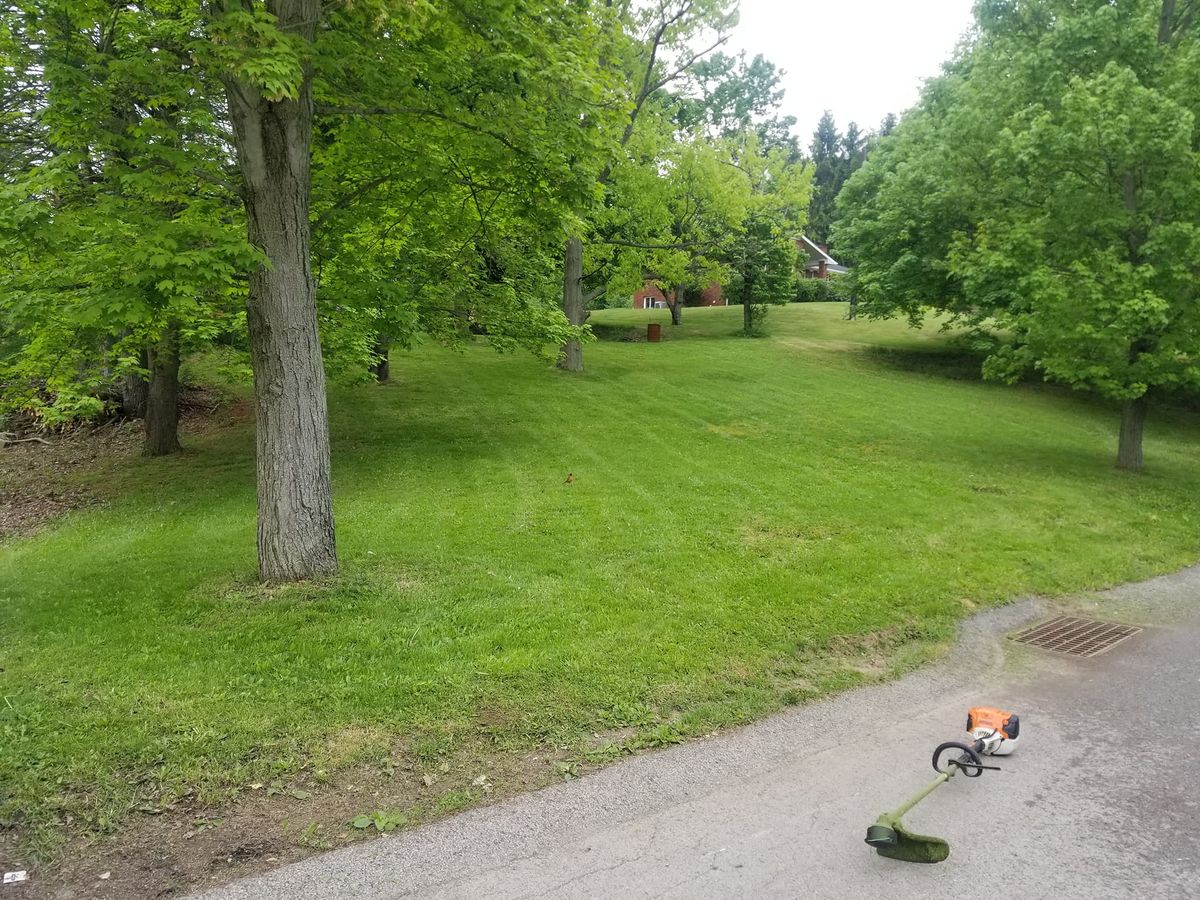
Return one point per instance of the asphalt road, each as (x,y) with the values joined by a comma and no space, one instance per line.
(1102,799)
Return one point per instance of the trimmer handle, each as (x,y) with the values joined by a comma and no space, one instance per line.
(969,762)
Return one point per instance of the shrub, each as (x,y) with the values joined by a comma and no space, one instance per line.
(818,290)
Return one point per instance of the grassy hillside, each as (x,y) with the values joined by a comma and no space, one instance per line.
(751,523)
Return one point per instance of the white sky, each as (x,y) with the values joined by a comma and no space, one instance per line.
(861,59)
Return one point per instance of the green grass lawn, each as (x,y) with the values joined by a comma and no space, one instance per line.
(752,523)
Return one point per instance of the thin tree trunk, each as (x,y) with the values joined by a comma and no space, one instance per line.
(162,396)
(382,367)
(573,303)
(853,313)
(295,502)
(1166,21)
(1129,447)
(675,304)
(747,304)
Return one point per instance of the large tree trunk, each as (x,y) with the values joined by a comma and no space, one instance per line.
(162,396)
(573,303)
(675,304)
(382,367)
(295,502)
(1129,448)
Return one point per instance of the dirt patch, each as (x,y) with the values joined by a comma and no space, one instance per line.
(192,847)
(203,410)
(759,531)
(771,538)
(40,482)
(824,667)
(734,430)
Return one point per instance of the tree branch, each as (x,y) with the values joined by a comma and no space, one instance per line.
(643,246)
(326,110)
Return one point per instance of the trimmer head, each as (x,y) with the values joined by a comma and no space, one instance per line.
(890,838)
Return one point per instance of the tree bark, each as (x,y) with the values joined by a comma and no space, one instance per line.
(162,395)
(295,502)
(675,304)
(853,313)
(1129,447)
(1166,21)
(573,303)
(747,305)
(382,367)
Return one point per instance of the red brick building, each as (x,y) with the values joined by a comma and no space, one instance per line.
(651,295)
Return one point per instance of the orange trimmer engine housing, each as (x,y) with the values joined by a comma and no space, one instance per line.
(996,729)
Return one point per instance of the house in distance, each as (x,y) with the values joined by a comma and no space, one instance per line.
(814,260)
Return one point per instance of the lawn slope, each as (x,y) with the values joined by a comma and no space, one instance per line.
(750,523)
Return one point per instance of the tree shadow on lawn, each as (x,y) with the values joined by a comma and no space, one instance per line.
(363,444)
(951,362)
(629,334)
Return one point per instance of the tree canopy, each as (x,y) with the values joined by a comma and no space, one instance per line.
(1048,185)
(318,183)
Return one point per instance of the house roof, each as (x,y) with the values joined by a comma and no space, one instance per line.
(835,268)
(816,254)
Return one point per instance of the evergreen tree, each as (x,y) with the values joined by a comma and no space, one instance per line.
(835,158)
(826,152)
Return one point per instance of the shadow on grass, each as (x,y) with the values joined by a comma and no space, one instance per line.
(630,334)
(951,362)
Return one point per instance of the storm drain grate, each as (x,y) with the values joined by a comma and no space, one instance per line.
(1079,637)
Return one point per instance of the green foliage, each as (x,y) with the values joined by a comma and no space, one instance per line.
(442,212)
(248,44)
(835,157)
(820,290)
(708,188)
(761,253)
(1049,183)
(383,821)
(121,219)
(452,144)
(725,96)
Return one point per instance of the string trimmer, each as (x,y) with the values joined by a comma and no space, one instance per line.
(992,732)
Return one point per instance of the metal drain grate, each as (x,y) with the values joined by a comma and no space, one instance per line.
(1079,637)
